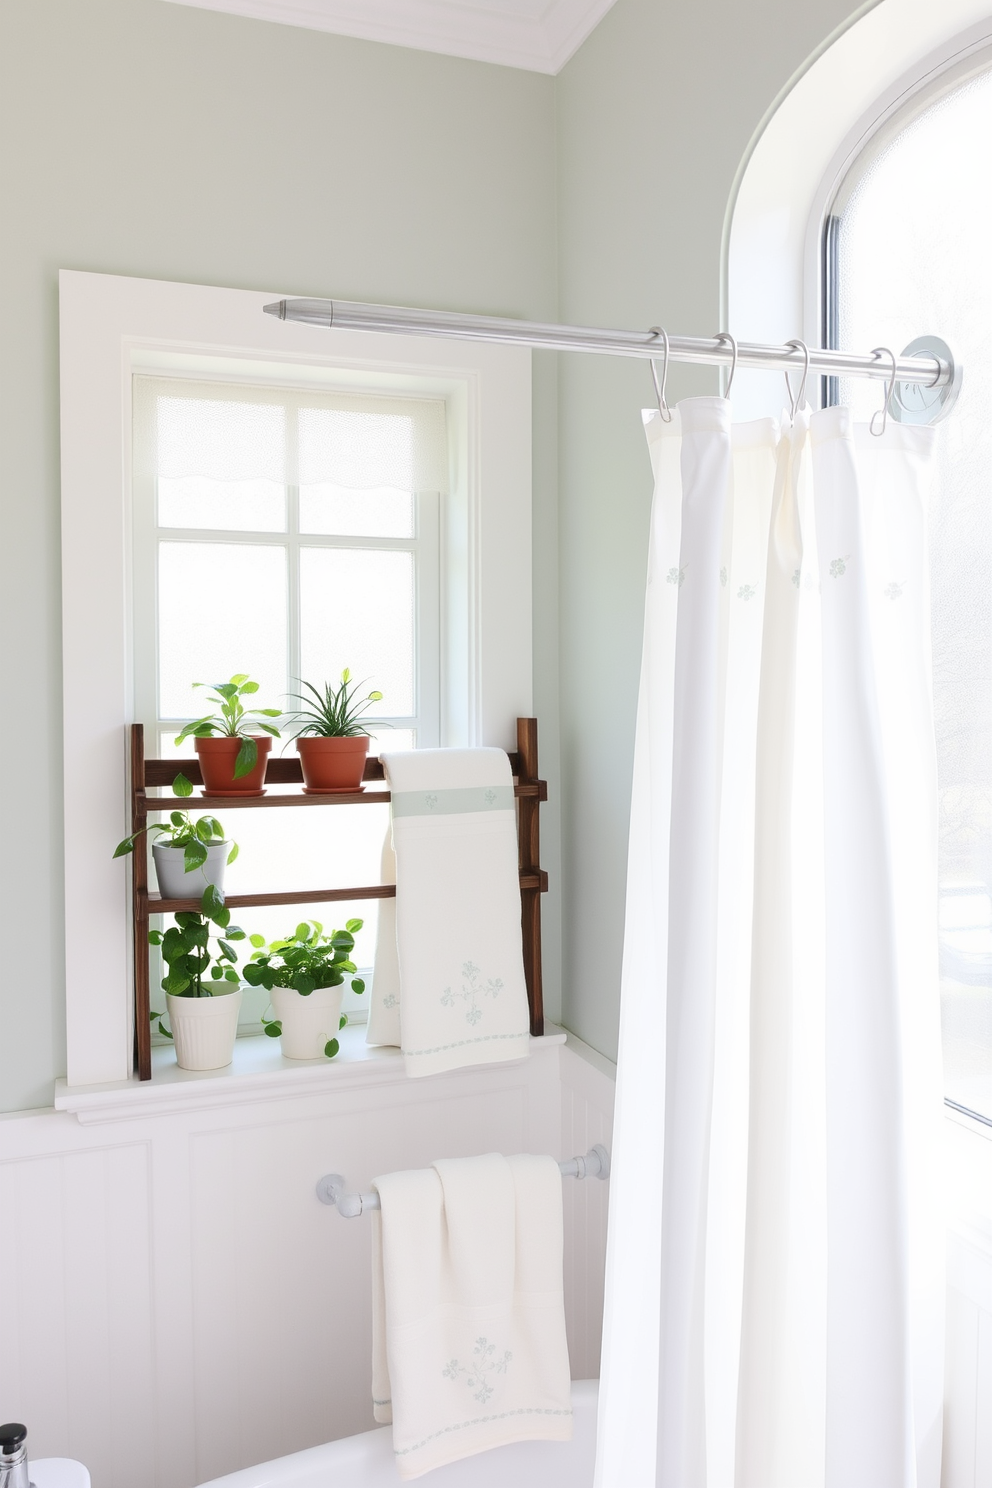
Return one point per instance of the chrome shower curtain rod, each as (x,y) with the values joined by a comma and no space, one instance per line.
(929,370)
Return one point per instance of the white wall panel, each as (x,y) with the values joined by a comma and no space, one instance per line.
(178,1304)
(587,1118)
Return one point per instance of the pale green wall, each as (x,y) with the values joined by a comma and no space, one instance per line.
(158,140)
(654,115)
(150,139)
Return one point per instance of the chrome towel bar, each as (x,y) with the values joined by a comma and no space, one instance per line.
(331,1188)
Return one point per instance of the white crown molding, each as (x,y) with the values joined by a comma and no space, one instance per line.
(537,35)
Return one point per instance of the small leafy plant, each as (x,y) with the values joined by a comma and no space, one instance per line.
(194,837)
(304,961)
(333,713)
(233,720)
(187,954)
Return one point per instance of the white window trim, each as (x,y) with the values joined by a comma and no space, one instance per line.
(771,265)
(112,327)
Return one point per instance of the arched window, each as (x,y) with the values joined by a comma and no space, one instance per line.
(907,251)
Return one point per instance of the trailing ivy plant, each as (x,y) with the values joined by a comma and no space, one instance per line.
(194,837)
(304,961)
(191,964)
(333,713)
(233,720)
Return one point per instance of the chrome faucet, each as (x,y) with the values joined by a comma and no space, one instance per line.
(14,1456)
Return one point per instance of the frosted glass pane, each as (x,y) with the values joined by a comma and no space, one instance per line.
(305,848)
(221,610)
(383,739)
(357,611)
(340,512)
(358,449)
(225,440)
(230,506)
(913,259)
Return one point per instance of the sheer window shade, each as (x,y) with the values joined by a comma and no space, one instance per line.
(225,433)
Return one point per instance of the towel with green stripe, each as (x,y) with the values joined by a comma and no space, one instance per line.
(458,984)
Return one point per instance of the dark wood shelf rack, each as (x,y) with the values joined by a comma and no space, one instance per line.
(156,774)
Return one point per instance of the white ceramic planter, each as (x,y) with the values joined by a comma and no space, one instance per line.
(173,880)
(204,1028)
(307,1022)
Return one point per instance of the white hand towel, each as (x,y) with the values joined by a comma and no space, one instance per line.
(384,998)
(463,998)
(468,1347)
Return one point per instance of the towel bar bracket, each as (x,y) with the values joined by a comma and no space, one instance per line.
(331,1188)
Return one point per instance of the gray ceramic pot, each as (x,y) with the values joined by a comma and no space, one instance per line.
(175,883)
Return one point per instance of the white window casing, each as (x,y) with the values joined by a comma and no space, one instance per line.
(114,328)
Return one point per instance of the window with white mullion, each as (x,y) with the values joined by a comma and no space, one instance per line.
(285,579)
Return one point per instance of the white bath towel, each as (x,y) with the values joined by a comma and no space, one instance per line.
(463,999)
(384,998)
(468,1316)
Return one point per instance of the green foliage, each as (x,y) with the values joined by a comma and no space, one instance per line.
(305,960)
(194,837)
(233,720)
(186,950)
(334,713)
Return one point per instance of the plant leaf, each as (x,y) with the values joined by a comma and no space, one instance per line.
(247,757)
(353,926)
(181,786)
(357,985)
(273,1029)
(342,1022)
(331,1048)
(257,940)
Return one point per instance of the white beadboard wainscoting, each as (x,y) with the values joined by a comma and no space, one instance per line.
(178,1304)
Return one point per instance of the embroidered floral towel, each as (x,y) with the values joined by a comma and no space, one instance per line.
(463,999)
(468,1316)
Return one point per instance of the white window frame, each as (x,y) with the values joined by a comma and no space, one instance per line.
(112,327)
(423,544)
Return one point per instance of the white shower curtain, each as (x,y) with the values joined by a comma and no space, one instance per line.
(774,1272)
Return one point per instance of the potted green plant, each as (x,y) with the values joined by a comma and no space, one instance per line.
(202,987)
(231,751)
(331,741)
(184,847)
(304,975)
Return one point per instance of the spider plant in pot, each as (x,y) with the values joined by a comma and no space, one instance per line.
(304,976)
(202,988)
(188,854)
(331,741)
(231,749)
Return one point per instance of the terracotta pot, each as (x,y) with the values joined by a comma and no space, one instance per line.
(331,765)
(217,757)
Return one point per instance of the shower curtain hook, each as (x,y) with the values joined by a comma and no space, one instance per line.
(663,407)
(726,336)
(879,351)
(797,402)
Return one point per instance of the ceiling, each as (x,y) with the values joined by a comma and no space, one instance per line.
(539,35)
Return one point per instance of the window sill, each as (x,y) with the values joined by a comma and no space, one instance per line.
(258,1072)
